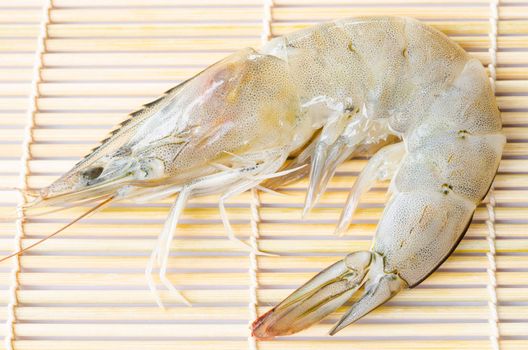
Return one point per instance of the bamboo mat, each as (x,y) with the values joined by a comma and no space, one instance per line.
(90,62)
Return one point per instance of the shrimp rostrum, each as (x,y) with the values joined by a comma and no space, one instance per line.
(302,105)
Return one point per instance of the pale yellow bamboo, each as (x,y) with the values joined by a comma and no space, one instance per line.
(352,2)
(291,212)
(130,14)
(142,58)
(16,60)
(17,75)
(211,30)
(386,312)
(266,296)
(199,3)
(139,3)
(13,103)
(158,44)
(281,246)
(219,29)
(216,230)
(240,330)
(205,279)
(14,89)
(426,12)
(111,74)
(29,15)
(268,345)
(19,30)
(447,27)
(240,262)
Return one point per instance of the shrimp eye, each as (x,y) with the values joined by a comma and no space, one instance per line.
(92,173)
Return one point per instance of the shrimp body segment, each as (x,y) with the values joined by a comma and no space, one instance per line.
(319,96)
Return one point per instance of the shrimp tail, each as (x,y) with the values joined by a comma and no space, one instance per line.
(329,290)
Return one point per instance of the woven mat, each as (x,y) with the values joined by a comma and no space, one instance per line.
(72,69)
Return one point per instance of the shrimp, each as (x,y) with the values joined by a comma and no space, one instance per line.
(302,105)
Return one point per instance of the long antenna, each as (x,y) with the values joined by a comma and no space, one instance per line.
(98,206)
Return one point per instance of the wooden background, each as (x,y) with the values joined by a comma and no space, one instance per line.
(85,289)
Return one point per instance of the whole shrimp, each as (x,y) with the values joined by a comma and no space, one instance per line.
(319,96)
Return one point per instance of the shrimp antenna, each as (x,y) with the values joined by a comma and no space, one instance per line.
(90,211)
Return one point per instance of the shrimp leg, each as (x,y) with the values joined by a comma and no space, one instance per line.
(161,251)
(331,131)
(335,145)
(223,214)
(260,174)
(382,166)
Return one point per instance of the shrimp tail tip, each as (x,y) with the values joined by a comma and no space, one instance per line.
(329,290)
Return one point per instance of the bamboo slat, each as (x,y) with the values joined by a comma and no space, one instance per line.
(85,289)
(242,344)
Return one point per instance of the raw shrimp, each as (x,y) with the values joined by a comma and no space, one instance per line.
(318,96)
